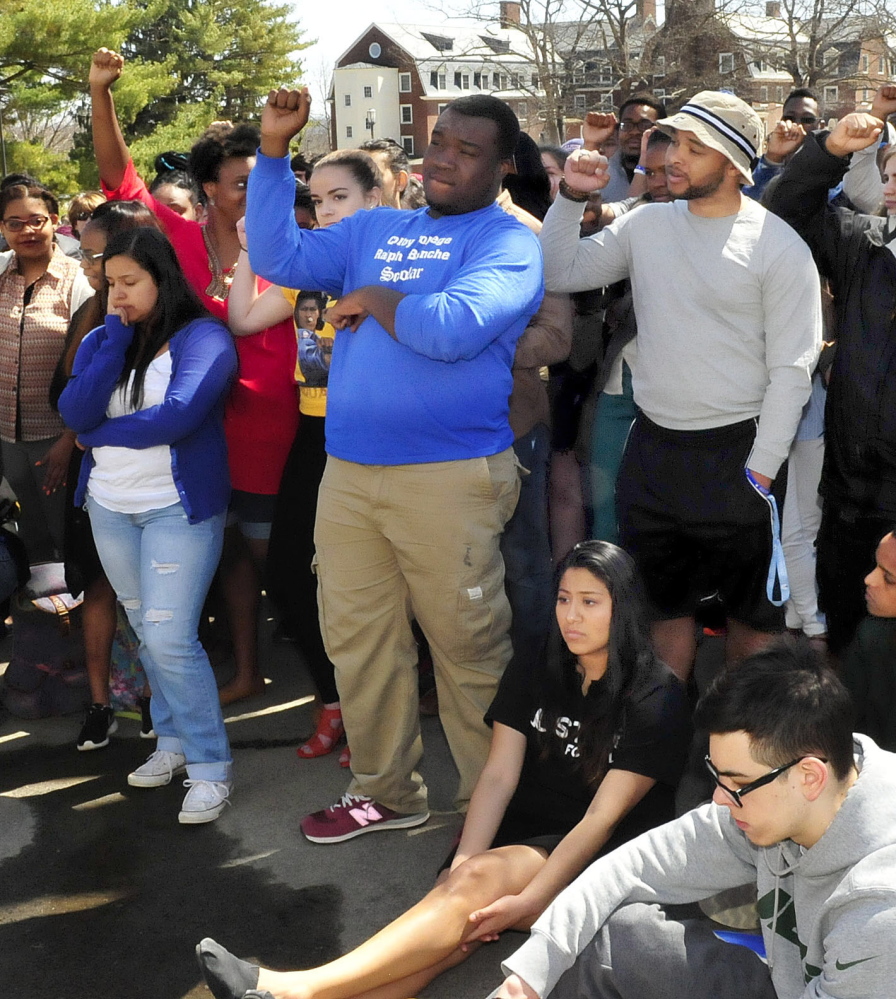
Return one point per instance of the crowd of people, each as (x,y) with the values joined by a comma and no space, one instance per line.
(543,416)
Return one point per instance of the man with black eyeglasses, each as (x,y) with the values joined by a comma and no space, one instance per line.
(637,114)
(803,808)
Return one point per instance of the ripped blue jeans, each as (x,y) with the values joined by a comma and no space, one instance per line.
(161,566)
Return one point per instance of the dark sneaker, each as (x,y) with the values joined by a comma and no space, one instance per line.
(99,724)
(353,815)
(146,729)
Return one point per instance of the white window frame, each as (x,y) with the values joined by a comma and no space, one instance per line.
(407,142)
(404,83)
(464,81)
(763,95)
(659,67)
(831,95)
(406,114)
(368,93)
(726,59)
(580,102)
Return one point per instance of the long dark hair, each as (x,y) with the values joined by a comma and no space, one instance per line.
(177,304)
(629,652)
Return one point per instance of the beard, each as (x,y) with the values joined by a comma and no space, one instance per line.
(694,191)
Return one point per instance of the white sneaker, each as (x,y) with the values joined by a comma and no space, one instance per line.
(158,770)
(204,801)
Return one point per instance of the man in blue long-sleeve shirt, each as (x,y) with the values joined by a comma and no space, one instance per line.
(421,476)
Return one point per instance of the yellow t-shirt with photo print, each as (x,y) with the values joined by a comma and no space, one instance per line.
(312,362)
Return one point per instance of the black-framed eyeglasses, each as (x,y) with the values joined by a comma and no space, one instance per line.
(642,125)
(736,796)
(806,119)
(88,257)
(34,222)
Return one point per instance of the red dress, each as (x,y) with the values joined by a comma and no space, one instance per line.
(261,415)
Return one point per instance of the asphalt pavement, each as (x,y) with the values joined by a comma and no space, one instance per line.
(103,895)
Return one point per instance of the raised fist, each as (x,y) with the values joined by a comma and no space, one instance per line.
(105,68)
(598,127)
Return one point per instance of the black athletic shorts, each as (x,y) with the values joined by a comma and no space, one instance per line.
(693,523)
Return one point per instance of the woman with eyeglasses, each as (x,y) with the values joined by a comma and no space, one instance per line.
(588,743)
(40,290)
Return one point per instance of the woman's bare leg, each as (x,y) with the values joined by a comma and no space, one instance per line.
(99,620)
(411,985)
(422,941)
(240,572)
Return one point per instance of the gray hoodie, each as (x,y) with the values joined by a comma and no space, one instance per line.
(828,913)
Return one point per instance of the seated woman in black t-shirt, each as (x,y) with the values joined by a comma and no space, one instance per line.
(586,751)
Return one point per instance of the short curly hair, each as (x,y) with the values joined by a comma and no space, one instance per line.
(219,142)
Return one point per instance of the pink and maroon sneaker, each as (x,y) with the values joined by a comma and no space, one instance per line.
(353,815)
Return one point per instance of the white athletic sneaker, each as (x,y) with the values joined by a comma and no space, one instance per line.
(204,801)
(158,770)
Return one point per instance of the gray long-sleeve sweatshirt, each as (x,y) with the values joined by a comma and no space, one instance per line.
(828,913)
(728,311)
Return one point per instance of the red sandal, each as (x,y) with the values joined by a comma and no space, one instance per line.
(329,732)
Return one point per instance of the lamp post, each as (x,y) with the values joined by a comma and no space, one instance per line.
(370,120)
(3,93)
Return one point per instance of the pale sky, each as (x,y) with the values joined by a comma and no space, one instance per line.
(337,23)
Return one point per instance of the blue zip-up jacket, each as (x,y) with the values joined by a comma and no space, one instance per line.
(439,391)
(189,420)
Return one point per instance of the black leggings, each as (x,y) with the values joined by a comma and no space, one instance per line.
(292,586)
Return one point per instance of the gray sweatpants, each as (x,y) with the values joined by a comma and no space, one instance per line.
(642,953)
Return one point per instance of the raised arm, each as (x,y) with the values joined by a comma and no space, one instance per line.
(281,252)
(862,183)
(570,263)
(248,311)
(110,149)
(801,195)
